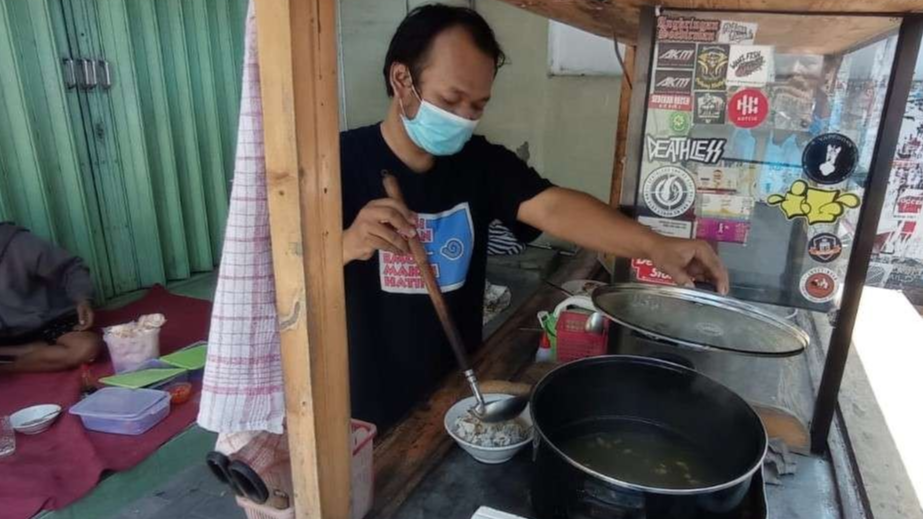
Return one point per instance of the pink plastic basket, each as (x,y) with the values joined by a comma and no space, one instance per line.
(363,479)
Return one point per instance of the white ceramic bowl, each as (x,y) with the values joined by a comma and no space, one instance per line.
(20,418)
(490,455)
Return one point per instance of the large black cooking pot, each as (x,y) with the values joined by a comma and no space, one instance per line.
(600,394)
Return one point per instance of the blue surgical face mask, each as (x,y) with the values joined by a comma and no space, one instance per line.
(437,131)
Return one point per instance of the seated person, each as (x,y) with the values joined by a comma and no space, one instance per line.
(45,310)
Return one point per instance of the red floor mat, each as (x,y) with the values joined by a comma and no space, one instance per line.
(56,468)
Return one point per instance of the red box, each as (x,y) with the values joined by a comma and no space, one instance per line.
(574,342)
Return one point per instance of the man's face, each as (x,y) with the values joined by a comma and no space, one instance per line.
(456,76)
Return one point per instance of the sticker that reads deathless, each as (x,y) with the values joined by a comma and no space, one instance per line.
(681,149)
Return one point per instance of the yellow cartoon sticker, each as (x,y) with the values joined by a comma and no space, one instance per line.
(815,205)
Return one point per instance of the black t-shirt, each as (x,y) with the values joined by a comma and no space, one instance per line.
(397,348)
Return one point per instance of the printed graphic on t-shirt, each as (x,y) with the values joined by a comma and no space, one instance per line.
(448,238)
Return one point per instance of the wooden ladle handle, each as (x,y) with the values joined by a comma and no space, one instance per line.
(429,279)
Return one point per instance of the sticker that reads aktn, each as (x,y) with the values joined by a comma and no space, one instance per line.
(681,149)
(675,55)
(673,81)
(813,204)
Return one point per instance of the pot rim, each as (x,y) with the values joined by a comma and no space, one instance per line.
(540,434)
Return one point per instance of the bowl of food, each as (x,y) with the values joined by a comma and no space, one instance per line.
(490,443)
(35,419)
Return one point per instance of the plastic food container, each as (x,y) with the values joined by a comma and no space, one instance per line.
(118,410)
(129,353)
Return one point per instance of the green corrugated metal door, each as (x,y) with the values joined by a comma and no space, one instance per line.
(117,130)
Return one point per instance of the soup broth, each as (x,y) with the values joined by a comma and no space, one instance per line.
(643,454)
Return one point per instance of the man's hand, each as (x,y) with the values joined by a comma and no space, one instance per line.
(688,261)
(381,224)
(85,316)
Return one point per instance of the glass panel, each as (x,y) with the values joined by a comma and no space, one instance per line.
(758,138)
(897,259)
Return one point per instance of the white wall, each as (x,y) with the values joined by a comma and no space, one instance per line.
(567,122)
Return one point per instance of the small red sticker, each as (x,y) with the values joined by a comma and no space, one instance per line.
(748,108)
(646,271)
(819,285)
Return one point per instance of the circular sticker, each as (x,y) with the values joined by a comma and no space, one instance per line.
(669,191)
(748,108)
(680,122)
(824,247)
(818,285)
(829,158)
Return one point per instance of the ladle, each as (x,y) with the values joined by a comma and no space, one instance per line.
(490,412)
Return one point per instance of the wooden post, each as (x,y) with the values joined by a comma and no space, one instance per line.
(621,133)
(621,138)
(298,75)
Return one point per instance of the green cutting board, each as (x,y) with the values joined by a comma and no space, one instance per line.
(191,358)
(143,378)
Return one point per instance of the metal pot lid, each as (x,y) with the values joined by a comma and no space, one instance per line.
(699,319)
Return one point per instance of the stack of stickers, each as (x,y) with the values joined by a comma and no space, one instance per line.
(693,184)
(707,72)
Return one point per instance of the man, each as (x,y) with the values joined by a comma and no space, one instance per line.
(439,70)
(45,310)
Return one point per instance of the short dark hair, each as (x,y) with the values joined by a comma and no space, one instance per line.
(414,37)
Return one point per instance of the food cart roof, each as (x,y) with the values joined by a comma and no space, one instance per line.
(619,18)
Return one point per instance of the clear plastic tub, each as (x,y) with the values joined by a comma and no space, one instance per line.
(118,410)
(127,353)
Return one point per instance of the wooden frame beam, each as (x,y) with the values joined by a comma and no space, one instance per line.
(620,18)
(621,132)
(298,76)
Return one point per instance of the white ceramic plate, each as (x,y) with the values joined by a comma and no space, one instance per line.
(490,455)
(21,419)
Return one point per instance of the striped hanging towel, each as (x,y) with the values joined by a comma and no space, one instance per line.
(242,389)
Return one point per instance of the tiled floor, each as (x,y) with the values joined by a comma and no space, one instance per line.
(174,483)
(193,493)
